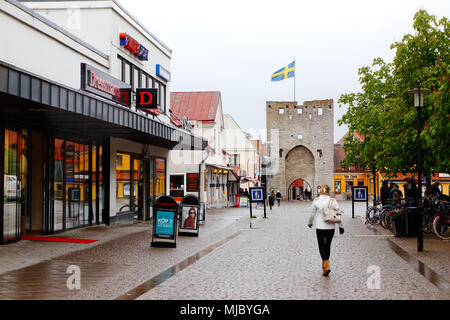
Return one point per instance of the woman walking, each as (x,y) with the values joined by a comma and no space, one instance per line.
(324,230)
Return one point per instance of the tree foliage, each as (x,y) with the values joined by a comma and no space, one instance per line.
(383,113)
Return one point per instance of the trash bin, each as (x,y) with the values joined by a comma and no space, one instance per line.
(165,217)
(190,211)
(413,220)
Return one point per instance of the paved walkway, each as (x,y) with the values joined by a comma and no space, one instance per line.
(276,259)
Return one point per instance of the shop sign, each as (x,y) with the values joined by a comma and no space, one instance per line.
(135,48)
(162,73)
(444,175)
(146,98)
(102,84)
(192,182)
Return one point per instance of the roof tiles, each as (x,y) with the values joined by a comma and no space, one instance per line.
(199,106)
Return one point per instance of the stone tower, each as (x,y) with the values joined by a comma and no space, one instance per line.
(301,144)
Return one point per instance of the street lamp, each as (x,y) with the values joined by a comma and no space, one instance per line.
(418,92)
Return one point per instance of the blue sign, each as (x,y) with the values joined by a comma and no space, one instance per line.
(257,194)
(162,73)
(165,223)
(359,194)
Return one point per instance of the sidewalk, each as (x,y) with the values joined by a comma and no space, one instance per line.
(121,258)
(26,253)
(436,254)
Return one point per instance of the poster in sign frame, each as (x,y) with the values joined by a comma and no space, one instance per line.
(189,220)
(164,224)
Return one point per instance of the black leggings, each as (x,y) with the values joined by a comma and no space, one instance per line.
(324,238)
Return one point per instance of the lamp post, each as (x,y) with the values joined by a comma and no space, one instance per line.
(418,92)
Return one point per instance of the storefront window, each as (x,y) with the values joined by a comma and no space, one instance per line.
(348,186)
(337,186)
(77,184)
(160,185)
(15,180)
(123,177)
(11,186)
(177,186)
(58,200)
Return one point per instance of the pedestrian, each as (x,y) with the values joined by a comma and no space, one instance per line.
(384,192)
(324,230)
(435,191)
(278,197)
(271,199)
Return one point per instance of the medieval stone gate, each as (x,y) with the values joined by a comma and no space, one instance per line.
(301,144)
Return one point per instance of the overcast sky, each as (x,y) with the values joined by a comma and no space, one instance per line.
(234,46)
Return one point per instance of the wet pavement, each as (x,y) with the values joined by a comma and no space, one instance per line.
(277,258)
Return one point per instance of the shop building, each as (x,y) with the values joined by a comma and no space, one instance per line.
(346,178)
(74,148)
(203,111)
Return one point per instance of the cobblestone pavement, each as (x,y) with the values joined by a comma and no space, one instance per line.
(276,259)
(279,259)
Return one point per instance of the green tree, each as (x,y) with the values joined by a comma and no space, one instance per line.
(383,114)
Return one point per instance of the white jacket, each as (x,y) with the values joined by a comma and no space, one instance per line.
(318,205)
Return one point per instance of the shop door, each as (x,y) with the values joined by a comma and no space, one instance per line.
(138,188)
(14,209)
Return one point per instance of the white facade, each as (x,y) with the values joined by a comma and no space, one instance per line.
(237,142)
(54,38)
(212,160)
(100,23)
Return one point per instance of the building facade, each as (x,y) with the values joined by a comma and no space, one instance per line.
(346,178)
(203,110)
(74,150)
(301,142)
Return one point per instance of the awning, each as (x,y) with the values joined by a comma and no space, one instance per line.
(250,179)
(40,103)
(231,174)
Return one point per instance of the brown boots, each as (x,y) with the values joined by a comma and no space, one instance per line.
(326,268)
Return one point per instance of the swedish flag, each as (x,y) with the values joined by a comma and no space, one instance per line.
(284,73)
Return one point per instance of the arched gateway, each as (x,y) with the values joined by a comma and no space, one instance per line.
(301,145)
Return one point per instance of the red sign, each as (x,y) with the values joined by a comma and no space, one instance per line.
(193,182)
(103,84)
(129,43)
(146,98)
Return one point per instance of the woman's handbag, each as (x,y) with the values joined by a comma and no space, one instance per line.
(331,215)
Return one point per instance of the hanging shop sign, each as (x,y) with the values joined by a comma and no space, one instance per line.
(102,84)
(146,98)
(134,47)
(192,182)
(162,73)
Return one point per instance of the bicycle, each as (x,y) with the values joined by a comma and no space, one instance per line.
(441,223)
(373,213)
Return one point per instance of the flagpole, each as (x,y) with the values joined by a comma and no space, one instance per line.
(295,67)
